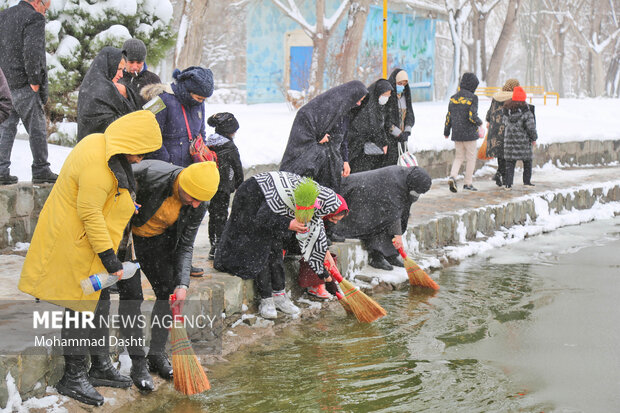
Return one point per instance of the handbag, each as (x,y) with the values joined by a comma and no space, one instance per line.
(198,149)
(372,149)
(405,158)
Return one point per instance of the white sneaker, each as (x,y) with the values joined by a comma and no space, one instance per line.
(267,308)
(284,304)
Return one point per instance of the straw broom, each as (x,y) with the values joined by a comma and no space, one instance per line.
(417,276)
(189,376)
(365,309)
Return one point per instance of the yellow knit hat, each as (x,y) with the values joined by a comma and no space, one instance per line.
(200,180)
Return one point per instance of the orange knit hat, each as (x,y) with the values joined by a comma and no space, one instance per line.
(518,94)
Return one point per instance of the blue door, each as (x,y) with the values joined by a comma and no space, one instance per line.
(301,59)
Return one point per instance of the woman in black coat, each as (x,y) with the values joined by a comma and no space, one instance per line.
(261,218)
(368,142)
(379,206)
(100,101)
(399,118)
(317,135)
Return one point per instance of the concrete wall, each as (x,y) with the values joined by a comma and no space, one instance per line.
(20,204)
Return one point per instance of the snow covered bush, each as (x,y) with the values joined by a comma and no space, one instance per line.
(77,29)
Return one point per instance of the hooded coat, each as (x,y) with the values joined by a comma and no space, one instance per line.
(380,203)
(395,122)
(462,117)
(99,101)
(367,128)
(86,212)
(259,221)
(495,136)
(519,132)
(325,114)
(176,142)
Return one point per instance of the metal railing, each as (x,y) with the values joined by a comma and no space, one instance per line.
(532,92)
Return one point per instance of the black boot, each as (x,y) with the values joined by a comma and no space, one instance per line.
(377,260)
(103,373)
(140,374)
(498,179)
(74,383)
(196,272)
(159,363)
(395,260)
(213,243)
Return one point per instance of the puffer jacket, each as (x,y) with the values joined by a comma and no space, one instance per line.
(228,162)
(519,133)
(462,117)
(176,142)
(86,213)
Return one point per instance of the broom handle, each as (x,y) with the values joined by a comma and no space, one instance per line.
(333,271)
(176,312)
(402,253)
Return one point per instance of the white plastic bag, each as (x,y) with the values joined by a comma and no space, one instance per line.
(406,158)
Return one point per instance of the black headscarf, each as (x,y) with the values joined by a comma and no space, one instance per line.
(379,197)
(99,101)
(323,114)
(367,124)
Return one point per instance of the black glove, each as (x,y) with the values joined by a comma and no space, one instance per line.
(332,287)
(110,261)
(404,136)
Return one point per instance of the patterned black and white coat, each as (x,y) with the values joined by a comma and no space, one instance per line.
(519,132)
(258,224)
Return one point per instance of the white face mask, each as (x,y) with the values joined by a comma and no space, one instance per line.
(383,100)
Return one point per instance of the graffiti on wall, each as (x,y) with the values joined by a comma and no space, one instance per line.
(410,44)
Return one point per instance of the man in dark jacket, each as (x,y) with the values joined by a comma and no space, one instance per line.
(5,98)
(171,202)
(463,120)
(380,203)
(136,75)
(22,47)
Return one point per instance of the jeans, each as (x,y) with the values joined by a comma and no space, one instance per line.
(27,106)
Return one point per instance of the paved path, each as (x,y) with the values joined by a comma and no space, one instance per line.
(439,200)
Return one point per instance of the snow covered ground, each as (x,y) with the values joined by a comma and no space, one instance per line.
(265,128)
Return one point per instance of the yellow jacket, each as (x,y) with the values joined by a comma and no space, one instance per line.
(85,213)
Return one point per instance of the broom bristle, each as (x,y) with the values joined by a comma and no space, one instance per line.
(417,276)
(189,376)
(365,309)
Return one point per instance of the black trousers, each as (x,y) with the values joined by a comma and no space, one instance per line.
(101,332)
(501,167)
(156,257)
(510,171)
(271,278)
(218,214)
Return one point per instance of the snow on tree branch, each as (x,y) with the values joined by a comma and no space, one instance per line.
(335,18)
(293,12)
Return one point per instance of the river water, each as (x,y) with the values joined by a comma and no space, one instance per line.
(531,327)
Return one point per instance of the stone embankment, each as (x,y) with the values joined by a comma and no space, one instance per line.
(439,219)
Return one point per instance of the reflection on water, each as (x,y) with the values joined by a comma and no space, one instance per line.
(496,337)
